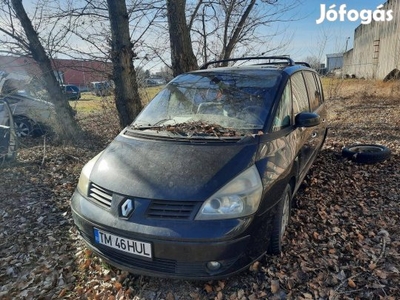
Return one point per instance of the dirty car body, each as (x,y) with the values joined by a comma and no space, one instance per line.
(31,116)
(200,185)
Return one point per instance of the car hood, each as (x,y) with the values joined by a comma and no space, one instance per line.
(171,170)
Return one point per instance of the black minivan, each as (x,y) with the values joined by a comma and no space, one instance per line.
(200,185)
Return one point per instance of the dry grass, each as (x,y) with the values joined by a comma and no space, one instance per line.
(364,111)
(90,103)
(359,88)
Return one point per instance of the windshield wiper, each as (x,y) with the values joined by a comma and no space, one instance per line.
(136,127)
(162,121)
(157,124)
(193,130)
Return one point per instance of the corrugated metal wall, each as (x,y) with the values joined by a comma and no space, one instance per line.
(376,49)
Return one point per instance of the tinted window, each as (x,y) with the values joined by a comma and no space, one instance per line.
(314,93)
(283,114)
(319,85)
(299,92)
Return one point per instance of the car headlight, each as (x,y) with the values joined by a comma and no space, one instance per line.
(83,183)
(239,198)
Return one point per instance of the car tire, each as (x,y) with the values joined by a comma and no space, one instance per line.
(366,153)
(280,222)
(23,127)
(38,130)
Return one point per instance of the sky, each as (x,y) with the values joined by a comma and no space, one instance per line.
(308,36)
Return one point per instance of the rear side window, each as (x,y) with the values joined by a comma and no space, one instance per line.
(319,84)
(300,95)
(314,92)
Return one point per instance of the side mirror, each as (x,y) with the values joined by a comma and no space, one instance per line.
(307,119)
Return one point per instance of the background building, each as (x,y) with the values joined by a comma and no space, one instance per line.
(67,71)
(334,61)
(376,50)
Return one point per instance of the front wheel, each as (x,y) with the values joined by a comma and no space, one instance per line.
(23,127)
(280,222)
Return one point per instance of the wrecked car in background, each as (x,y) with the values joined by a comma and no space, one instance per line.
(32,116)
(200,185)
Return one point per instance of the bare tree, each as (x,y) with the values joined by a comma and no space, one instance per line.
(231,37)
(127,97)
(240,26)
(313,61)
(317,56)
(221,28)
(112,31)
(182,56)
(28,40)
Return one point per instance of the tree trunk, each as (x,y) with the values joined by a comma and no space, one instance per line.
(67,128)
(182,56)
(127,97)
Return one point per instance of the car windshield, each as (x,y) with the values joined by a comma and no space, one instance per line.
(236,100)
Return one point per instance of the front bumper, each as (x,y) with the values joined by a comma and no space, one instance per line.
(180,249)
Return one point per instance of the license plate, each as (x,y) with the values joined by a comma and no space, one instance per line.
(123,244)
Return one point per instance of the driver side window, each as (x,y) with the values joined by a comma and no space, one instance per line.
(283,114)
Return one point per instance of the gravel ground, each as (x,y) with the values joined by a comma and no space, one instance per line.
(343,241)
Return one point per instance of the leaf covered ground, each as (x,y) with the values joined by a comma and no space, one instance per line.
(343,241)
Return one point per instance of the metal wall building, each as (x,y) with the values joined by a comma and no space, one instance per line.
(376,50)
(334,61)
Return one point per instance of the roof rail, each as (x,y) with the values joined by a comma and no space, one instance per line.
(287,60)
(303,63)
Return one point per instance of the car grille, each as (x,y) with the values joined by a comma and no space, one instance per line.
(181,210)
(157,264)
(100,195)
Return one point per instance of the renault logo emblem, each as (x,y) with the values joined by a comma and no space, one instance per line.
(127,207)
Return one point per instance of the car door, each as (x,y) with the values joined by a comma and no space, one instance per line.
(316,99)
(305,135)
